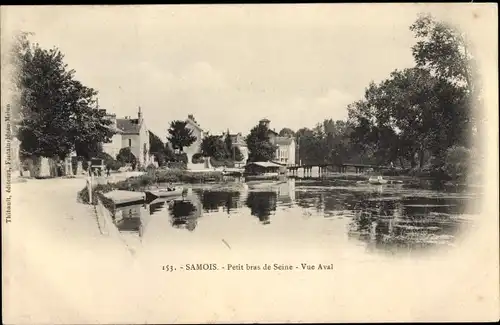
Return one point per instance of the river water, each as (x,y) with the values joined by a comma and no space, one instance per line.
(391,218)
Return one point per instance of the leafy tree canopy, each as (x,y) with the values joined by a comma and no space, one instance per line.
(180,136)
(259,146)
(55,112)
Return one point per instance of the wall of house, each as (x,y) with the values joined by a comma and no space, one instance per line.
(285,154)
(195,146)
(144,156)
(113,148)
(291,153)
(132,141)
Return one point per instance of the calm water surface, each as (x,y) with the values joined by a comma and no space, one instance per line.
(384,218)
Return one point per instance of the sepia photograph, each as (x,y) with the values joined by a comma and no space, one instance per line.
(250,163)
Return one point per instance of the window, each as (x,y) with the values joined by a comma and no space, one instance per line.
(130,142)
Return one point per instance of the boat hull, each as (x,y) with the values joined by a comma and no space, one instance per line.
(154,194)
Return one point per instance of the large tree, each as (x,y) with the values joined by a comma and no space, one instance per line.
(160,150)
(55,112)
(180,136)
(444,50)
(410,114)
(213,146)
(419,112)
(259,145)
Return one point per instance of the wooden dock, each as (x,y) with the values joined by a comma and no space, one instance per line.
(124,197)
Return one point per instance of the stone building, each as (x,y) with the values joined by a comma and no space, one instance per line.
(132,133)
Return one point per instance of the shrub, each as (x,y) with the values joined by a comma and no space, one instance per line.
(222,163)
(198,158)
(83,194)
(457,161)
(176,165)
(125,156)
(181,157)
(114,165)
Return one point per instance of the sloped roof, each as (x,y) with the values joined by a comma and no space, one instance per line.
(114,129)
(128,126)
(283,140)
(264,164)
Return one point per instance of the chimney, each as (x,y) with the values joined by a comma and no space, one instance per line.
(139,114)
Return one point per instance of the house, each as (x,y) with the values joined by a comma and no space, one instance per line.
(132,133)
(198,132)
(113,147)
(238,141)
(286,146)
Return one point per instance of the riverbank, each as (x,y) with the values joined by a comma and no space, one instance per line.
(156,178)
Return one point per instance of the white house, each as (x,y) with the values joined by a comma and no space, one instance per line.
(285,151)
(132,133)
(198,132)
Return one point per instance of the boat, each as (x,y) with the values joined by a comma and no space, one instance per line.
(164,193)
(377,180)
(118,197)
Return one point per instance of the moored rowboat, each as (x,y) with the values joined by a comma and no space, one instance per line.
(164,192)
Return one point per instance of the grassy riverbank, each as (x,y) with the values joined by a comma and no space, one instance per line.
(153,178)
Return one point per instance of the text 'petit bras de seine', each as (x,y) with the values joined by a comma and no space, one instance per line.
(247,267)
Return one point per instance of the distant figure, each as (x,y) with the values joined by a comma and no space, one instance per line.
(108,171)
(392,165)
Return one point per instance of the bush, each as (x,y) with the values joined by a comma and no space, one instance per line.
(181,157)
(198,158)
(457,162)
(181,176)
(176,165)
(83,194)
(222,163)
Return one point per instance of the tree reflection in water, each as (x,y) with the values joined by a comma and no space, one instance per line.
(262,204)
(156,206)
(213,200)
(184,214)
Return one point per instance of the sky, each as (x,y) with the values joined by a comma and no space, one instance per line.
(228,65)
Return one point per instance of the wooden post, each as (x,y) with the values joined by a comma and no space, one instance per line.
(89,188)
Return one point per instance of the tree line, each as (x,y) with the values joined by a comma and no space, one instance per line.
(415,118)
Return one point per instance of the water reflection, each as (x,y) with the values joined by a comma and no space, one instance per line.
(184,214)
(214,200)
(262,205)
(131,218)
(384,218)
